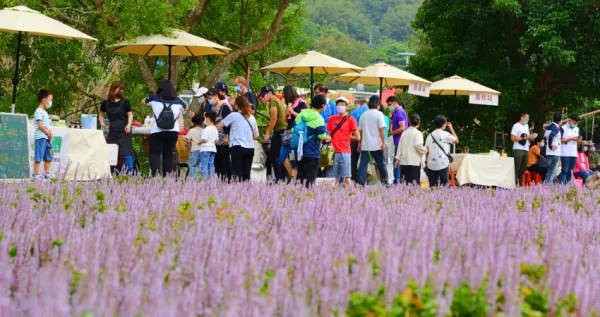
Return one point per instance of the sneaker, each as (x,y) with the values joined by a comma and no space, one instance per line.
(37,176)
(48,177)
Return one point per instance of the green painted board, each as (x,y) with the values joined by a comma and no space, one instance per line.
(14,147)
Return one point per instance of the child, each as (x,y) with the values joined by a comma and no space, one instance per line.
(342,129)
(193,138)
(208,147)
(42,135)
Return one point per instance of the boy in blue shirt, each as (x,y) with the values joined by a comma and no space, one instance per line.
(42,134)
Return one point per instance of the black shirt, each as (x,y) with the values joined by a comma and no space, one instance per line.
(292,121)
(116,112)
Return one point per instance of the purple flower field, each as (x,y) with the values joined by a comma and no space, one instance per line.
(167,248)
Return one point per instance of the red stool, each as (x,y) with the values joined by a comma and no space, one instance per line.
(451,172)
(526,180)
(537,177)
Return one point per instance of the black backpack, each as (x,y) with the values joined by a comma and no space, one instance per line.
(166,118)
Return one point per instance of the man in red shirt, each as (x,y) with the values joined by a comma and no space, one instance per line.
(342,129)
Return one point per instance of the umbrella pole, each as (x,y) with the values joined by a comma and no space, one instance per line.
(380,90)
(312,92)
(16,78)
(170,47)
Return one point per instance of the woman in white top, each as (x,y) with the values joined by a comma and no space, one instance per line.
(410,152)
(243,131)
(164,134)
(438,149)
(568,155)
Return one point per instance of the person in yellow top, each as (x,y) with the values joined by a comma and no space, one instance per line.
(277,124)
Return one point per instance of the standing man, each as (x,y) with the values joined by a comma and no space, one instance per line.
(399,125)
(357,113)
(329,110)
(568,157)
(372,141)
(277,124)
(520,137)
(553,136)
(241,87)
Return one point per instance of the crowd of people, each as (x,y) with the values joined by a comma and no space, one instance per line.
(318,138)
(558,156)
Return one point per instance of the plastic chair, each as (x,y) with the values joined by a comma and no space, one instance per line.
(526,180)
(451,172)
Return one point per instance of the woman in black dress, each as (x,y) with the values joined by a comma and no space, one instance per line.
(118,110)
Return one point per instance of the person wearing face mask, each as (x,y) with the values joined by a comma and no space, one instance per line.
(582,167)
(241,88)
(399,125)
(536,163)
(223,166)
(42,135)
(342,129)
(223,94)
(553,134)
(520,137)
(593,157)
(570,139)
(277,124)
(119,113)
(308,165)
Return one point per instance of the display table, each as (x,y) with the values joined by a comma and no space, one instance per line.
(78,154)
(484,170)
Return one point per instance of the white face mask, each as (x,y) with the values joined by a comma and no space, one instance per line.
(49,105)
(542,144)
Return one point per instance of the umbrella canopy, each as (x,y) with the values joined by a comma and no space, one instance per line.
(181,44)
(383,75)
(459,86)
(22,20)
(312,62)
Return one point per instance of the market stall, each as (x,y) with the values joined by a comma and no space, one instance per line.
(484,170)
(79,154)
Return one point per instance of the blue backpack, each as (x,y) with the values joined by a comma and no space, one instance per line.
(299,131)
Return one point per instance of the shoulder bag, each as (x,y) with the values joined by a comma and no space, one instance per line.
(327,150)
(450,158)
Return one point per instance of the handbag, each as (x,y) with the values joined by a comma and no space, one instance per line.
(327,150)
(450,158)
(542,162)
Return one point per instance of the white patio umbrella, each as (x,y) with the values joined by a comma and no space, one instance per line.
(24,21)
(382,74)
(181,44)
(312,62)
(459,86)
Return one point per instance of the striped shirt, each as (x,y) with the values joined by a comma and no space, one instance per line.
(40,114)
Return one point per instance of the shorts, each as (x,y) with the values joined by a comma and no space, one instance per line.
(43,151)
(285,152)
(342,165)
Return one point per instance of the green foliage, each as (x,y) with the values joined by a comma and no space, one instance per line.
(541,55)
(468,302)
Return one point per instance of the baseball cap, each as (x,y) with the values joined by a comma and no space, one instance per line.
(374,99)
(221,86)
(265,90)
(201,91)
(213,91)
(318,101)
(344,99)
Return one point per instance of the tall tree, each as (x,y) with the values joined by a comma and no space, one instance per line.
(542,55)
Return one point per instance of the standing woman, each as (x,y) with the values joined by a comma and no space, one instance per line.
(163,139)
(118,110)
(295,105)
(243,131)
(222,158)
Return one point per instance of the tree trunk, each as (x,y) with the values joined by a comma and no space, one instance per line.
(146,73)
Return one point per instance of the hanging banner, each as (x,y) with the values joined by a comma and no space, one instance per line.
(419,89)
(479,98)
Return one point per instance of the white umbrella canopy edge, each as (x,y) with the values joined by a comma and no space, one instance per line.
(457,85)
(22,20)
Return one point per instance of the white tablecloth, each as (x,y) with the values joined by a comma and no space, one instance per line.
(484,170)
(80,154)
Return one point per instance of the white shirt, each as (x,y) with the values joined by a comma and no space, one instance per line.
(555,142)
(518,130)
(194,135)
(410,148)
(157,108)
(210,134)
(370,123)
(569,149)
(242,130)
(437,159)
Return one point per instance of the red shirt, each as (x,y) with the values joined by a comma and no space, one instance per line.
(341,139)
